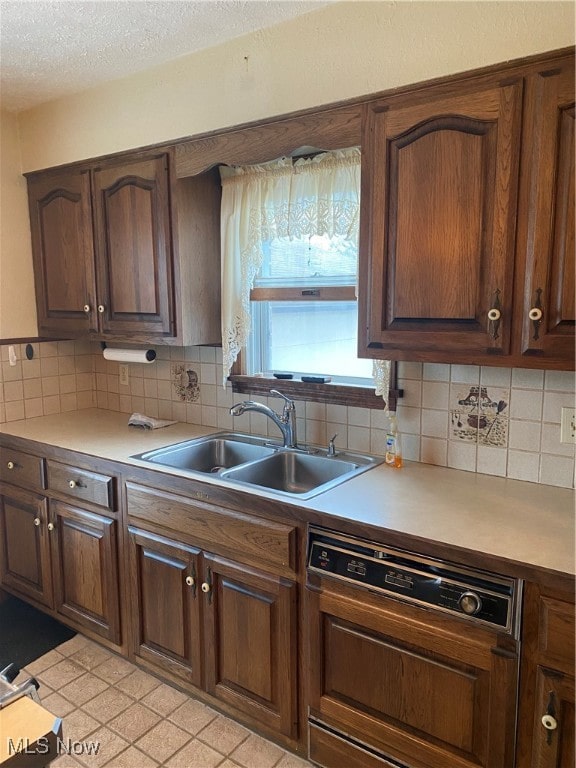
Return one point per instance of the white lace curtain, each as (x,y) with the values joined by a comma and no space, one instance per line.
(284,198)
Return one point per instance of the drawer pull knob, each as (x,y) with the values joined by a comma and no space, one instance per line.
(494,314)
(51,526)
(549,722)
(87,308)
(101,308)
(72,483)
(205,587)
(76,484)
(190,581)
(36,521)
(10,465)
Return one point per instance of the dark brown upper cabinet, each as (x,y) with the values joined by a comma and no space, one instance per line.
(438,219)
(63,251)
(114,260)
(467,221)
(133,243)
(545,249)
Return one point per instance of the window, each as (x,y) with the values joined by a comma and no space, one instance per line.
(304,311)
(289,261)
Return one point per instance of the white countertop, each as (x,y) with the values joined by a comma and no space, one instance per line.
(512,519)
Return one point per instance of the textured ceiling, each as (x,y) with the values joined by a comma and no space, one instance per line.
(49,49)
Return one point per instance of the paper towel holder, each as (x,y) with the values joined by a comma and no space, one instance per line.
(123,355)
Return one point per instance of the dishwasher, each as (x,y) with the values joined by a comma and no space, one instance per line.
(413,660)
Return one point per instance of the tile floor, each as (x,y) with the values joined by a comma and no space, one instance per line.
(139,721)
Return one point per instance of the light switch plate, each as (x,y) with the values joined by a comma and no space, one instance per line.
(568,425)
(124,375)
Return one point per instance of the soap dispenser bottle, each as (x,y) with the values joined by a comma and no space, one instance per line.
(393,443)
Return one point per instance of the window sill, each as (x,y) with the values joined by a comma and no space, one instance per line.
(335,394)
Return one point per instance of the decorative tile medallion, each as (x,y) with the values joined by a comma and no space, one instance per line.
(478,414)
(185,382)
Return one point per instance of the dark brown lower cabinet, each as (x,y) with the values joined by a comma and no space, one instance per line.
(553,734)
(85,569)
(63,558)
(408,686)
(250,640)
(225,627)
(25,547)
(165,604)
(547,711)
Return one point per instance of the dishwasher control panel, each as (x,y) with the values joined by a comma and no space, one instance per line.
(468,593)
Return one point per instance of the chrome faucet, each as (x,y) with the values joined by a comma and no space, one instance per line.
(286,422)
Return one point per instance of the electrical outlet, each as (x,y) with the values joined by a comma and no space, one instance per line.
(568,425)
(124,381)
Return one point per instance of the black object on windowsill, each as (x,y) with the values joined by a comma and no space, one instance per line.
(316,379)
(283,375)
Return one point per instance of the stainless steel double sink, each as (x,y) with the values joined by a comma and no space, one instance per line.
(249,461)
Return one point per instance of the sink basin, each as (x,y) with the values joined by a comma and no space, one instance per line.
(250,461)
(291,472)
(208,454)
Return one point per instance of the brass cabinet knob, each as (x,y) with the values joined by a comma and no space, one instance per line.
(535,313)
(36,521)
(205,587)
(101,308)
(86,308)
(190,581)
(51,526)
(494,314)
(10,465)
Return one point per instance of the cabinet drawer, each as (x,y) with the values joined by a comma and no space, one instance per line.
(246,537)
(81,484)
(22,469)
(329,749)
(556,633)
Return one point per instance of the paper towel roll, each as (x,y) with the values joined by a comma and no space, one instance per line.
(130,355)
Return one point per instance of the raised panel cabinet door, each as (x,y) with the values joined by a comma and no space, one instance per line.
(438,212)
(250,642)
(554,742)
(425,693)
(24,545)
(546,316)
(165,604)
(63,252)
(134,248)
(85,568)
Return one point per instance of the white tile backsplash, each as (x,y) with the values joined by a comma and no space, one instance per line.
(553,404)
(526,404)
(560,381)
(492,461)
(557,470)
(524,435)
(434,451)
(495,377)
(65,376)
(523,465)
(435,394)
(434,423)
(525,378)
(436,372)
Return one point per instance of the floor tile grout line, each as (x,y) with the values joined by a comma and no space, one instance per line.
(111,686)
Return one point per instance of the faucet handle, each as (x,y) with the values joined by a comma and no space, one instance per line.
(331,446)
(289,402)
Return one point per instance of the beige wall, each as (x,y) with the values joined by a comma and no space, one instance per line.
(341,51)
(17,305)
